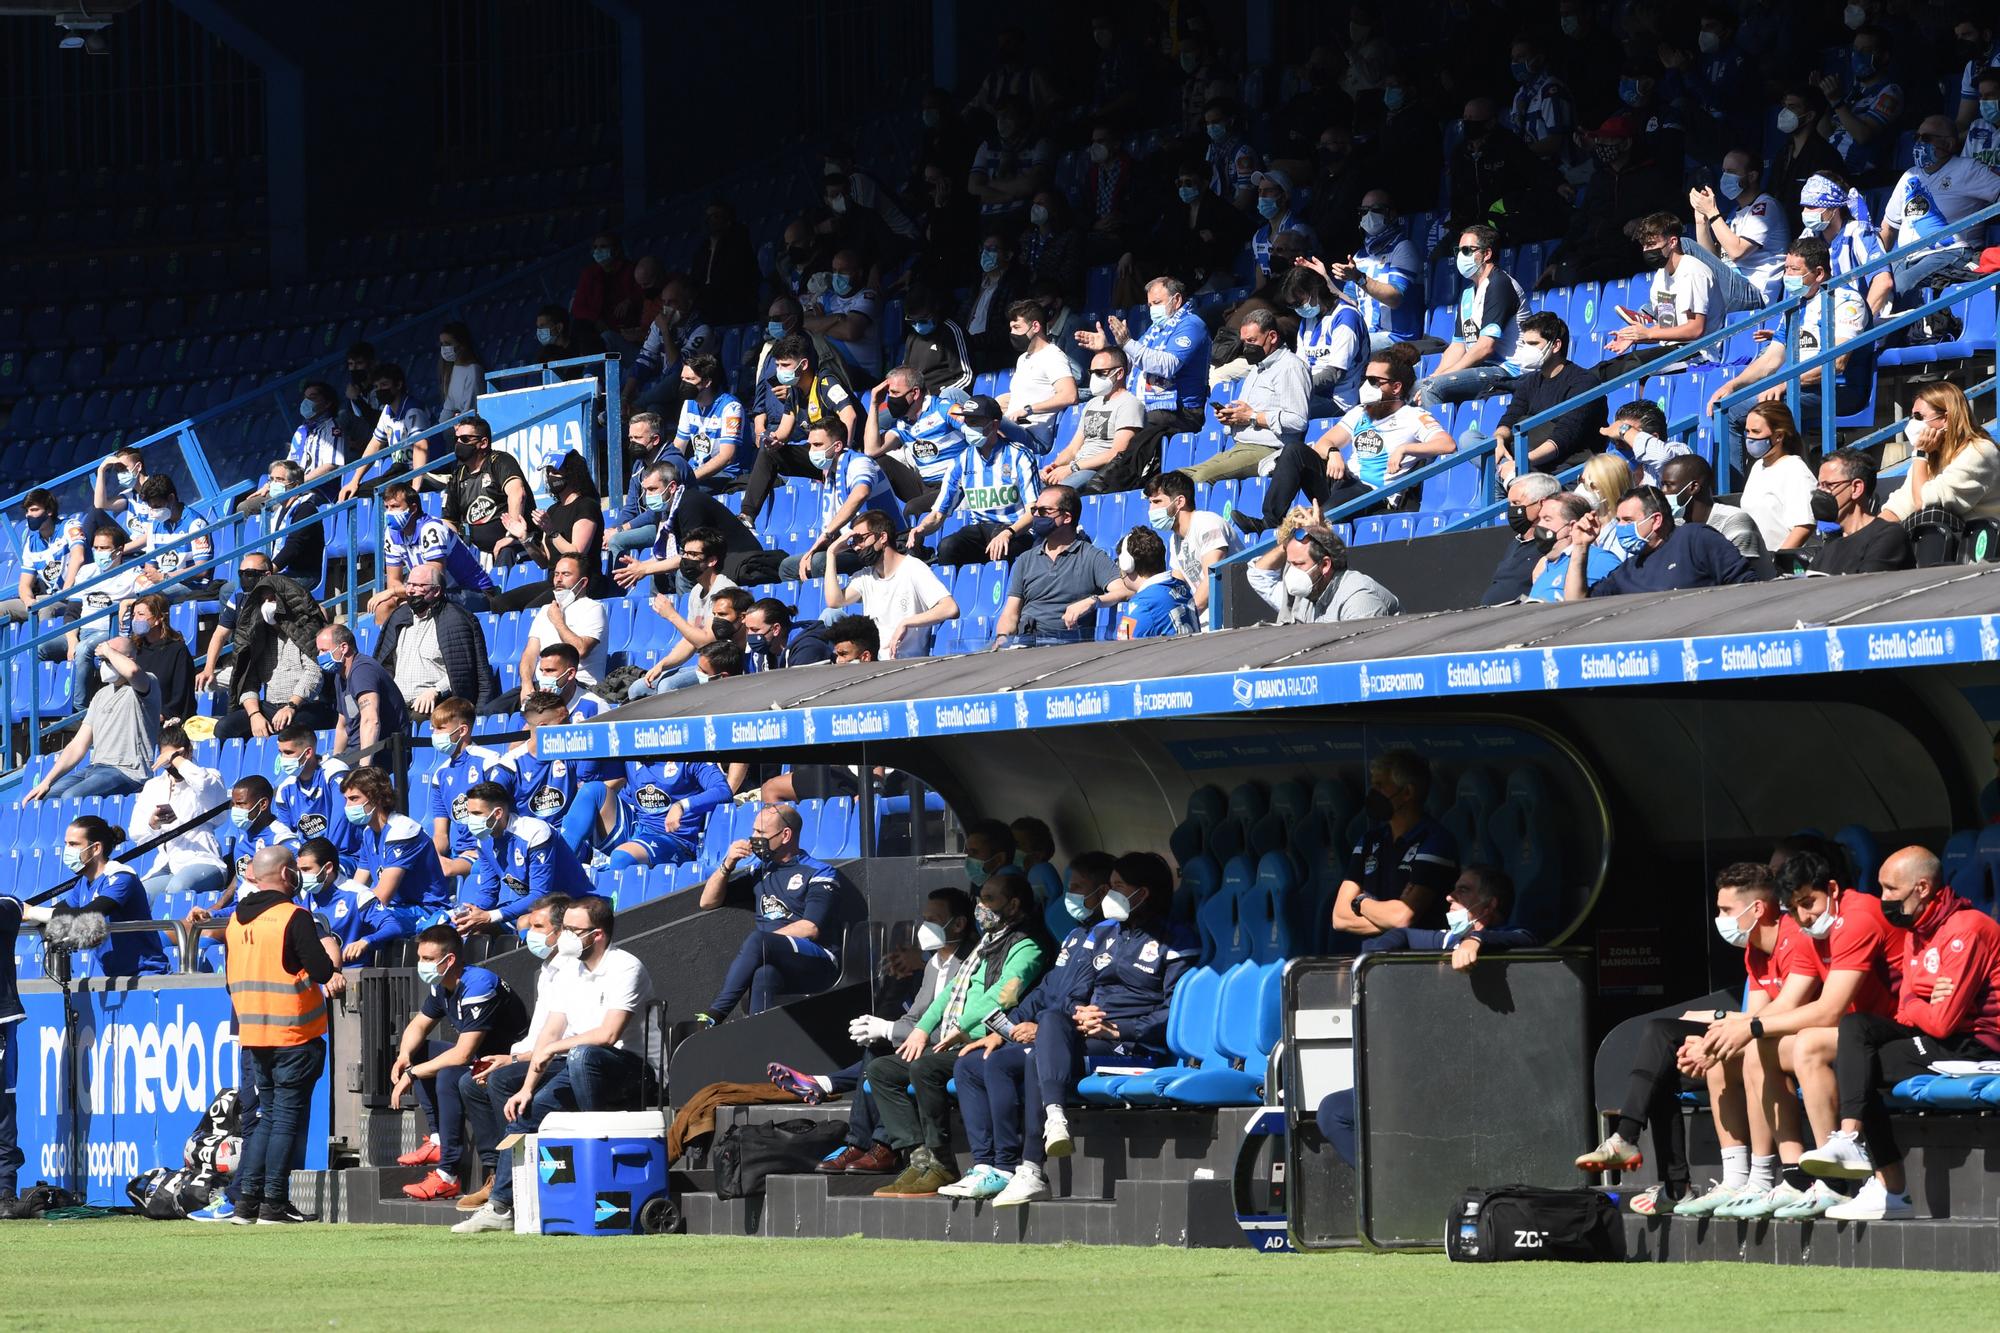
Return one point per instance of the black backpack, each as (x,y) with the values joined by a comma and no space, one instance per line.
(746,1154)
(1525,1222)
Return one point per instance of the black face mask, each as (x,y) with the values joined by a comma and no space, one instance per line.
(425,604)
(1545,541)
(1899,914)
(463,451)
(690,569)
(1653,258)
(1253,353)
(1377,807)
(1020,341)
(1474,129)
(1517,519)
(1825,509)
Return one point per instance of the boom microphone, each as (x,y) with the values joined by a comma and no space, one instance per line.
(73,931)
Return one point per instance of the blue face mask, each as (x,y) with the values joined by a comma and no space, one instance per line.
(1989,110)
(478,825)
(104,559)
(1189,193)
(1392,99)
(774,330)
(1626,537)
(1041,525)
(976,871)
(1160,519)
(1468,266)
(1522,74)
(441,740)
(356,812)
(141,626)
(1863,63)
(307,409)
(989,260)
(1267,207)
(1794,285)
(1730,186)
(1306,312)
(326,662)
(1218,132)
(125,479)
(239,816)
(288,765)
(655,500)
(1628,91)
(842,284)
(545,336)
(922,327)
(787,374)
(1077,905)
(72,858)
(1924,156)
(602,254)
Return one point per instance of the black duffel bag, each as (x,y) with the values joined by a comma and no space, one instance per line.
(745,1154)
(1527,1222)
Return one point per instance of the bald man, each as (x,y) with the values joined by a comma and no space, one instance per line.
(1948,1008)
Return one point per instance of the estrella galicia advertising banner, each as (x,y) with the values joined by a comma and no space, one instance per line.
(153,1059)
(541,423)
(1795,652)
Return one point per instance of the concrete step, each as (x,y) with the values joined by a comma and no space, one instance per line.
(1948,1245)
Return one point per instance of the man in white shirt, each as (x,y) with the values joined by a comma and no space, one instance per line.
(1938,189)
(596,1024)
(1678,308)
(401,417)
(1196,538)
(1750,241)
(900,593)
(1104,429)
(1044,380)
(571,617)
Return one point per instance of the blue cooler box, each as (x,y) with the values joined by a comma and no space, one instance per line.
(595,1179)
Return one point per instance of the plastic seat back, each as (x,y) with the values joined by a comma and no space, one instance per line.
(1859,844)
(1207,805)
(1958,849)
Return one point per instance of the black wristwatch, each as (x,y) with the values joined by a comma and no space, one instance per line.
(1757,1028)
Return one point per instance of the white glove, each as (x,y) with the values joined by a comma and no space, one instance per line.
(869,1028)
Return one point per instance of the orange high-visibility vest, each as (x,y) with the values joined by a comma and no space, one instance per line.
(274,1007)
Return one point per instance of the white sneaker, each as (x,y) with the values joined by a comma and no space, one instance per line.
(962,1187)
(1754,1203)
(1702,1205)
(1842,1157)
(1873,1204)
(1028,1185)
(1815,1202)
(1614,1154)
(1055,1133)
(488,1218)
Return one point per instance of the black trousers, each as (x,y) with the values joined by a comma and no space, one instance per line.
(772,462)
(1141,458)
(235,724)
(1877,1053)
(923,1118)
(1301,471)
(967,546)
(1652,1096)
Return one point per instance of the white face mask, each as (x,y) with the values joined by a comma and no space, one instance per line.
(268,613)
(1299,581)
(1373,224)
(1916,432)
(568,945)
(931,937)
(106,674)
(1530,357)
(564,596)
(1822,925)
(1117,907)
(1369,395)
(1788,121)
(447,353)
(1157,311)
(1100,385)
(1457,921)
(1732,930)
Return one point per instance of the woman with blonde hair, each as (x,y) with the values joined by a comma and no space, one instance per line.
(1954,466)
(1778,490)
(1606,478)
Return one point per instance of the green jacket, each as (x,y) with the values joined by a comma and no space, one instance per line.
(1023,966)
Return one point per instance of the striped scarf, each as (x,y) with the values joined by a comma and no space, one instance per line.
(992,947)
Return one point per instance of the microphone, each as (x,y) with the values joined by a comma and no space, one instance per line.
(73,931)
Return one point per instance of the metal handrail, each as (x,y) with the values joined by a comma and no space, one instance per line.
(185,935)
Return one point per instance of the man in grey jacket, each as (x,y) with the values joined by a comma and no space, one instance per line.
(1305,578)
(946,934)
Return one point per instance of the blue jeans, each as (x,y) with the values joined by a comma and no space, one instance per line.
(285,1076)
(1053,1069)
(1909,274)
(1458,386)
(768,963)
(1037,439)
(11,1157)
(188,879)
(1336,1121)
(94,780)
(438,1095)
(482,1103)
(585,1078)
(638,537)
(991,1104)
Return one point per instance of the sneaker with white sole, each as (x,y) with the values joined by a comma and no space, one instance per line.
(1842,1157)
(1056,1140)
(1614,1154)
(1652,1202)
(222,1210)
(1703,1205)
(1752,1203)
(488,1218)
(1028,1185)
(1811,1203)
(982,1182)
(1873,1204)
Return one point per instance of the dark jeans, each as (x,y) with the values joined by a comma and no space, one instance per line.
(864,1121)
(1142,457)
(1336,1121)
(922,1117)
(967,546)
(1054,1067)
(1652,1097)
(768,963)
(1300,470)
(235,724)
(990,1103)
(586,1078)
(772,462)
(284,1079)
(443,1111)
(482,1103)
(1877,1053)
(11,1158)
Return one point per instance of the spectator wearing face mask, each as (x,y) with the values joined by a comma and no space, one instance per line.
(1864,103)
(1778,491)
(723,266)
(607,295)
(486,1018)
(795,946)
(569,529)
(1110,185)
(1660,555)
(1386,275)
(1680,305)
(191,860)
(358,410)
(1542,113)
(1197,539)
(301,553)
(460,766)
(397,863)
(1275,206)
(1864,543)
(983,314)
(1631,180)
(678,511)
(570,616)
(845,314)
(275,680)
(1636,437)
(1044,381)
(1304,577)
(1804,152)
(992,483)
(162,653)
(700,569)
(461,370)
(899,593)
(1747,240)
(1011,166)
(411,539)
(1938,188)
(433,648)
(1053,590)
(935,349)
(484,491)
(1195,239)
(800,396)
(116,586)
(1491,175)
(1111,419)
(517,861)
(1551,537)
(351,923)
(1159,604)
(1548,379)
(1333,339)
(160,520)
(400,418)
(119,735)
(52,556)
(1269,414)
(1689,484)
(1979,120)
(1529,514)
(1834,213)
(317,446)
(371,707)
(1954,465)
(1478,360)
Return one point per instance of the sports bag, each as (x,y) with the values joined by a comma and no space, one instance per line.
(745,1154)
(1526,1222)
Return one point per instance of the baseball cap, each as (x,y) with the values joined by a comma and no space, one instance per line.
(981,407)
(1277,178)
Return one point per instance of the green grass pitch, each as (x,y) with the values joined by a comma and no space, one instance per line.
(125,1273)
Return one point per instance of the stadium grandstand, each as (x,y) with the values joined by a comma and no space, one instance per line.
(1188,624)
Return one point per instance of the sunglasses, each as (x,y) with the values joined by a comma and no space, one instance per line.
(1470,249)
(470,438)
